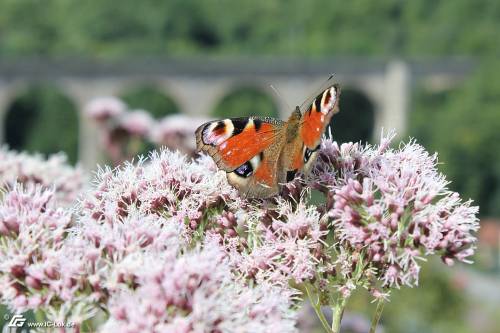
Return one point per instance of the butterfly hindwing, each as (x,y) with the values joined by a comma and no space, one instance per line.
(259,177)
(299,157)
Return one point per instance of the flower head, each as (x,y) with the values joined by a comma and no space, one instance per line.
(137,122)
(196,293)
(393,207)
(32,229)
(176,132)
(166,244)
(166,183)
(288,247)
(53,172)
(104,108)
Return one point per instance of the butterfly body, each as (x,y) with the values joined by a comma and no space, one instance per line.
(260,154)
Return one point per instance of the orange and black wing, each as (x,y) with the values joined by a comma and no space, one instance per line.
(247,149)
(235,141)
(317,114)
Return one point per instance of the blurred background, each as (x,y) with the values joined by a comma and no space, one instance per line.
(430,69)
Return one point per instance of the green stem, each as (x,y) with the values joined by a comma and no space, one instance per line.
(39,316)
(337,313)
(377,315)
(317,308)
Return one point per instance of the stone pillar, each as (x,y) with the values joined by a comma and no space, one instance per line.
(3,111)
(4,104)
(81,92)
(397,96)
(373,86)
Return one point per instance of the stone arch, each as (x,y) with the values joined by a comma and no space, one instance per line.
(246,100)
(42,119)
(356,119)
(149,97)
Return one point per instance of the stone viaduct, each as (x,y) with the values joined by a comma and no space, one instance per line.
(197,85)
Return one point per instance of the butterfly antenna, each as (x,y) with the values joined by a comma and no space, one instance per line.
(328,82)
(329,134)
(281,98)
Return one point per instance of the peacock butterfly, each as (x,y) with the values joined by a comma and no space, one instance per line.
(260,153)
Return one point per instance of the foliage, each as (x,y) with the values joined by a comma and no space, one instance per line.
(43,120)
(313,28)
(463,126)
(246,102)
(355,121)
(147,97)
(444,302)
(444,310)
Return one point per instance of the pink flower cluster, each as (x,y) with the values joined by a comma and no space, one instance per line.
(391,207)
(196,293)
(128,244)
(54,172)
(125,132)
(291,244)
(167,184)
(32,232)
(105,108)
(167,245)
(176,132)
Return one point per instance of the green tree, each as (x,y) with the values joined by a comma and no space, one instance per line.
(43,120)
(462,126)
(355,120)
(245,102)
(149,98)
(225,27)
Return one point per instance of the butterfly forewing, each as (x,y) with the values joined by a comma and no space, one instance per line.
(330,82)
(317,116)
(301,151)
(233,142)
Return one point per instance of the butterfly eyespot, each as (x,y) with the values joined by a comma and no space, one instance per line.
(245,170)
(220,126)
(217,132)
(327,97)
(307,155)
